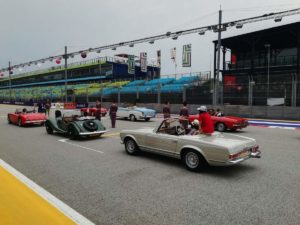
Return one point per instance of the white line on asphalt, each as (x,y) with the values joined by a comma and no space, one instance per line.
(61,206)
(80,146)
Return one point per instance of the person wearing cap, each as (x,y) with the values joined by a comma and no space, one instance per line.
(206,123)
(194,128)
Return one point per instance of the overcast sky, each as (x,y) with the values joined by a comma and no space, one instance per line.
(34,29)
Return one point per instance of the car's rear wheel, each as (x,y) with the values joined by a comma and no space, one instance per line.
(49,129)
(220,127)
(147,119)
(193,160)
(131,147)
(132,117)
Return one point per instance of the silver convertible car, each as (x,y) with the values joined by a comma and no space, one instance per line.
(196,151)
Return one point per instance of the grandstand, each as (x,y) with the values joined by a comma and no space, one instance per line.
(105,78)
(109,90)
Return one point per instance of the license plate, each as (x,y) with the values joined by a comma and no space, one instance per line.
(244,154)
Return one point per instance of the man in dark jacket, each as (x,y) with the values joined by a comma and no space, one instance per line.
(98,110)
(113,114)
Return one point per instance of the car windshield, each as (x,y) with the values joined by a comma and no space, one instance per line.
(170,126)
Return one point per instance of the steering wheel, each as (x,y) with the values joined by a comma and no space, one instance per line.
(180,130)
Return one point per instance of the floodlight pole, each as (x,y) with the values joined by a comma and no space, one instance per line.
(268,71)
(9,75)
(66,74)
(217,73)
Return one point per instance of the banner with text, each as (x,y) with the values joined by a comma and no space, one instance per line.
(158,58)
(143,61)
(173,55)
(131,64)
(187,55)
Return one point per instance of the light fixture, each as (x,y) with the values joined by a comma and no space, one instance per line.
(168,33)
(278,19)
(202,32)
(90,49)
(151,42)
(239,26)
(131,45)
(98,51)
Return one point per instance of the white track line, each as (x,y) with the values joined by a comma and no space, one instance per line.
(80,146)
(61,206)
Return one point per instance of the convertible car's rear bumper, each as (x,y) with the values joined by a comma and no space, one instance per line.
(92,133)
(239,160)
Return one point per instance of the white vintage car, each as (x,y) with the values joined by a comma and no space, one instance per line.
(196,151)
(134,113)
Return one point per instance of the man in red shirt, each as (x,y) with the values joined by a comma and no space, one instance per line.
(206,123)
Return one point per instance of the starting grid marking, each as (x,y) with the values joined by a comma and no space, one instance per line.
(80,146)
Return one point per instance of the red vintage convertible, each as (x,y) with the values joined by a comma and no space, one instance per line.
(223,123)
(23,117)
(92,111)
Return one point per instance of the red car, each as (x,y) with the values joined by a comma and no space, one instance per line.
(92,111)
(223,123)
(23,117)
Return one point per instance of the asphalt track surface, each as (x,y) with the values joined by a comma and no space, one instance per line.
(99,180)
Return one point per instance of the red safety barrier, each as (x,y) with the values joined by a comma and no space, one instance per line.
(70,105)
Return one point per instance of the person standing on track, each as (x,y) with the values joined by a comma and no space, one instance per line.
(167,110)
(98,110)
(184,115)
(206,123)
(113,114)
(47,108)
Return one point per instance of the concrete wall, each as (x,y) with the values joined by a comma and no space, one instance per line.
(268,112)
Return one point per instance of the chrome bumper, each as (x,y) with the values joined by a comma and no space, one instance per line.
(35,121)
(239,160)
(92,133)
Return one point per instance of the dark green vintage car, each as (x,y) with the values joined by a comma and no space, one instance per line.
(73,124)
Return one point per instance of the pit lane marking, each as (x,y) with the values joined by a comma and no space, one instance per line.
(80,146)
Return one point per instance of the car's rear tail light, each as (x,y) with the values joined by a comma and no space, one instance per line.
(234,156)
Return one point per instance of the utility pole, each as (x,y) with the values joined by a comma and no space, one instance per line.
(217,73)
(9,75)
(66,74)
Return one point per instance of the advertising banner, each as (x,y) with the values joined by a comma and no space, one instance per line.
(187,55)
(143,61)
